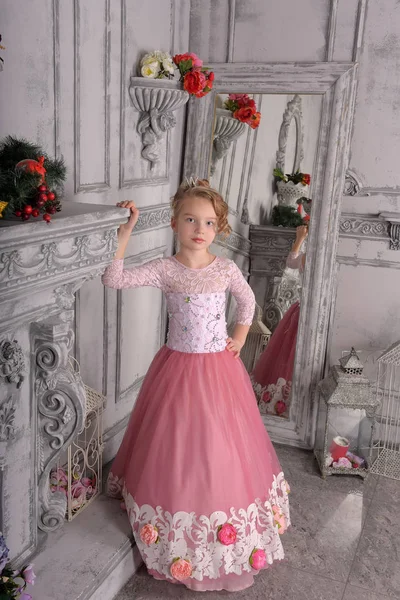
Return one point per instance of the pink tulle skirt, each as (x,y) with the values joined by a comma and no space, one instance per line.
(194,457)
(273,373)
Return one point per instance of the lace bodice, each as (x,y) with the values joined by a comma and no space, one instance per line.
(195,298)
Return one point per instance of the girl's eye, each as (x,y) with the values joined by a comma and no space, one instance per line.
(211,223)
(190,220)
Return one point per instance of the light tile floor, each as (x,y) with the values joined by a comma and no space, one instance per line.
(344,543)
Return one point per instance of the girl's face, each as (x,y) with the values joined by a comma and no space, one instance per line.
(196,223)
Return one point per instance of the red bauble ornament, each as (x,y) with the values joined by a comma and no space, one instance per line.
(39,203)
(47,218)
(18,213)
(35,212)
(51,196)
(42,188)
(28,209)
(53,210)
(26,216)
(49,209)
(43,197)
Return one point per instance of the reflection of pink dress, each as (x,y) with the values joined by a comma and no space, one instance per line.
(272,375)
(196,454)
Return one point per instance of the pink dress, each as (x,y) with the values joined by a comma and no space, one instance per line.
(273,373)
(196,455)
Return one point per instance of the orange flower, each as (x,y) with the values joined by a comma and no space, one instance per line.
(194,82)
(255,120)
(244,114)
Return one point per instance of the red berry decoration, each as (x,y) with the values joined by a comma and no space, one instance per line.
(42,188)
(40,203)
(43,197)
(47,218)
(28,209)
(51,196)
(53,210)
(26,216)
(35,212)
(18,213)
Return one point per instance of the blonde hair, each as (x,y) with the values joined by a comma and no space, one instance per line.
(200,188)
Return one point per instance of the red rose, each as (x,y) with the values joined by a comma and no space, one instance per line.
(244,114)
(211,76)
(306,218)
(241,100)
(194,82)
(189,56)
(255,120)
(205,90)
(306,179)
(280,407)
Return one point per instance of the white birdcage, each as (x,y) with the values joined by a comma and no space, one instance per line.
(79,472)
(386,447)
(256,341)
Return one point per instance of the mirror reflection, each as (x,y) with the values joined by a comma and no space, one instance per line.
(263,156)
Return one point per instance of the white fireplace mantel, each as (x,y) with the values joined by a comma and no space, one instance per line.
(41,400)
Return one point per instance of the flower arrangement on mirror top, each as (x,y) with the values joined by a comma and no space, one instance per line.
(13,583)
(243,108)
(196,79)
(297,177)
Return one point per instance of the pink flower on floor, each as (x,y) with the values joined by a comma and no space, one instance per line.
(227,534)
(258,559)
(29,575)
(279,519)
(149,534)
(181,569)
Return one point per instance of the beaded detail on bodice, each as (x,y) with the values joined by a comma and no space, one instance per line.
(196,298)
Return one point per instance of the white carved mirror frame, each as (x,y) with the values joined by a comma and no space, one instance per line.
(334,81)
(292,112)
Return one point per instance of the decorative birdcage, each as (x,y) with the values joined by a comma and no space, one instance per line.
(79,471)
(256,341)
(386,447)
(346,420)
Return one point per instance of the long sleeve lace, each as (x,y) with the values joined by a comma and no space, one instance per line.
(149,274)
(295,260)
(243,295)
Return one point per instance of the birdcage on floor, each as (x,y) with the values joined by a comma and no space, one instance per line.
(79,472)
(386,447)
(256,341)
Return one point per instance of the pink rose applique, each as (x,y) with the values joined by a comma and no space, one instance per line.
(181,569)
(280,407)
(258,559)
(227,534)
(279,519)
(266,397)
(149,534)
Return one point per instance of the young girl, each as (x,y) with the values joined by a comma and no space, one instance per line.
(202,485)
(272,375)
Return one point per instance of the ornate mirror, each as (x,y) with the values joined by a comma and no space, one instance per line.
(304,126)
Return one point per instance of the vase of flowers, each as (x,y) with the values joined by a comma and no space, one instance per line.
(291,187)
(13,583)
(243,108)
(156,94)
